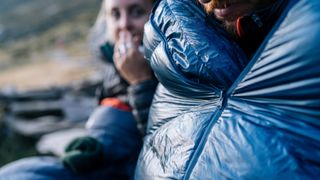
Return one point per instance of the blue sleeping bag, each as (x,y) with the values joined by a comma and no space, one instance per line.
(218,115)
(121,141)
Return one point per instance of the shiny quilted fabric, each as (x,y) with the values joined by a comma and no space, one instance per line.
(216,117)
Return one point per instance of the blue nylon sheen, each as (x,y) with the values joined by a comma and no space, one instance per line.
(265,126)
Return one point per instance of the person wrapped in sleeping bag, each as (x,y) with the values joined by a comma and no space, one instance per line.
(222,112)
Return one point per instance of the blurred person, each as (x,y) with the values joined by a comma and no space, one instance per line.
(116,128)
(238,94)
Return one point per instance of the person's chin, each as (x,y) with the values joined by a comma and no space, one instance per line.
(230,27)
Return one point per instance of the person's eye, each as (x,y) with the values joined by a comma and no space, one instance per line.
(115,14)
(137,12)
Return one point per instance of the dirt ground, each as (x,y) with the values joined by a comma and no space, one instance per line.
(46,74)
(42,75)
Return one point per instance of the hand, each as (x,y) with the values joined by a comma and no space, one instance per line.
(83,154)
(130,61)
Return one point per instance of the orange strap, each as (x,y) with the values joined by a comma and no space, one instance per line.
(116,103)
(239,29)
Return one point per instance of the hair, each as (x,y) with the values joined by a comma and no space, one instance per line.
(98,36)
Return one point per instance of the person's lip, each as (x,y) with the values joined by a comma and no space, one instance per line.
(230,11)
(204,1)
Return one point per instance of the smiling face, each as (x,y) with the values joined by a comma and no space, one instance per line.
(228,11)
(127,15)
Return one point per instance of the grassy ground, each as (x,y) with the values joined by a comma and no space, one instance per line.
(13,147)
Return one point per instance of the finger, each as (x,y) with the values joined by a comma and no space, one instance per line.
(119,52)
(118,60)
(122,37)
(116,57)
(129,41)
(137,41)
(127,35)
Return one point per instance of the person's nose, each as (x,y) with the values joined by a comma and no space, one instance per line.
(125,23)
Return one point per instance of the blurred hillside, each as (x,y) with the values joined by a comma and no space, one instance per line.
(21,18)
(44,32)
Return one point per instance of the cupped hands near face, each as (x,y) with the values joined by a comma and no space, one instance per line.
(129,60)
